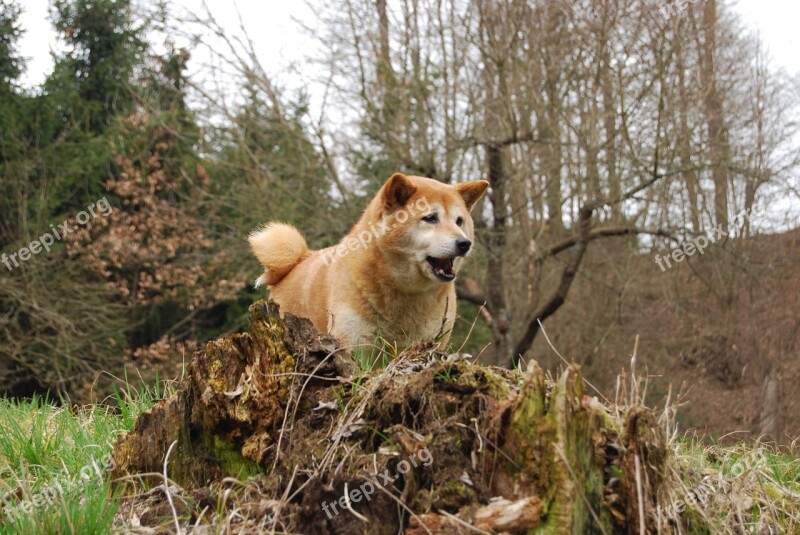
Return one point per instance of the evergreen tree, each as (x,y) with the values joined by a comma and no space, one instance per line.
(92,83)
(267,162)
(10,32)
(105,48)
(10,68)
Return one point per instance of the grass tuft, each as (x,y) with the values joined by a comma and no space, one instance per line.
(54,461)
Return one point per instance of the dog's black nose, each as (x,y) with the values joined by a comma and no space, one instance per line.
(463,245)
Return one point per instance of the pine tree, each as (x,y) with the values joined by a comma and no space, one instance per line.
(10,62)
(105,47)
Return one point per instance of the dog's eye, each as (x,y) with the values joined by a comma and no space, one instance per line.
(431,218)
(459,221)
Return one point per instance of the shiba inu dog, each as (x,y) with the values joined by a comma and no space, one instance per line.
(390,277)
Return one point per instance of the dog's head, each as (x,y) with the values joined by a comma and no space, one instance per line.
(427,227)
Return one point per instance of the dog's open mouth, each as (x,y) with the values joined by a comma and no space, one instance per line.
(442,268)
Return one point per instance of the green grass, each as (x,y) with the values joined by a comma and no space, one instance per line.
(376,356)
(54,462)
(370,358)
(744,487)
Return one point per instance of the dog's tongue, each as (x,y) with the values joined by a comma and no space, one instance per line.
(442,266)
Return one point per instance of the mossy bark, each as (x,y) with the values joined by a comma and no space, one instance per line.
(228,410)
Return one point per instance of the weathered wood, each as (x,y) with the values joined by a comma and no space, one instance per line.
(513,517)
(229,409)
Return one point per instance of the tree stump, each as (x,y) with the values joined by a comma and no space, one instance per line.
(431,444)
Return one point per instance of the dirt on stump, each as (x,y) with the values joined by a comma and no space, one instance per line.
(279,429)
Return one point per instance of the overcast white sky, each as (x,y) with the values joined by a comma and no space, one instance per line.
(279,41)
(277,37)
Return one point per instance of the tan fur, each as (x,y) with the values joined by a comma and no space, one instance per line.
(385,288)
(279,248)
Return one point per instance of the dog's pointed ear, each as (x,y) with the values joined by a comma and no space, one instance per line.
(471,192)
(397,190)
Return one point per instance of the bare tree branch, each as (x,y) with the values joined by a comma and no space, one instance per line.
(604,232)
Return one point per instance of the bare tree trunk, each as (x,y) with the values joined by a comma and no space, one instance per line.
(684,143)
(715,119)
(549,120)
(769,416)
(495,281)
(610,127)
(385,57)
(385,73)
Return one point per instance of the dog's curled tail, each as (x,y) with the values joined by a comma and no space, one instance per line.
(279,248)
